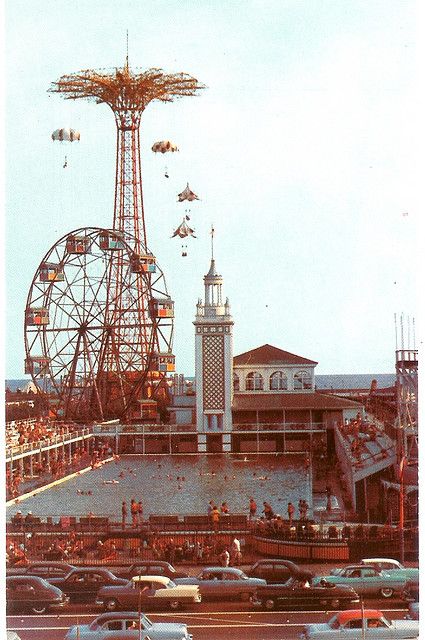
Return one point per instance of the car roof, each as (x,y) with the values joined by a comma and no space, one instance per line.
(23,578)
(380,560)
(162,579)
(356,614)
(225,569)
(90,569)
(143,563)
(103,617)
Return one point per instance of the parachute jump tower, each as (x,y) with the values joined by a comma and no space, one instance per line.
(99,320)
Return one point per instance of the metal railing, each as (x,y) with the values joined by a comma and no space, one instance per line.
(13,451)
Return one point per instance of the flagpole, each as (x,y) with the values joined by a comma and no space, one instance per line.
(401,509)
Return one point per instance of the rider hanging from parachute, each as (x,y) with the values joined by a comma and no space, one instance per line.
(164,146)
(65,135)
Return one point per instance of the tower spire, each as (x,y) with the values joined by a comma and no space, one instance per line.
(212,242)
(126,57)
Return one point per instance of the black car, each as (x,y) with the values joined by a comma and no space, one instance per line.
(150,568)
(278,571)
(42,569)
(31,593)
(297,593)
(82,585)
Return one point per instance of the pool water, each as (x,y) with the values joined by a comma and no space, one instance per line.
(176,485)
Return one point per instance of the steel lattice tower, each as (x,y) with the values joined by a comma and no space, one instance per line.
(132,337)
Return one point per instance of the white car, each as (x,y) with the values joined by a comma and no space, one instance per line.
(357,624)
(148,592)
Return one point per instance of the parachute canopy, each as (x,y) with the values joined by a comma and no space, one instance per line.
(187,194)
(164,146)
(183,230)
(66,135)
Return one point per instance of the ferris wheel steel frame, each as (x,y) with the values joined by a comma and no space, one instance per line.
(77,345)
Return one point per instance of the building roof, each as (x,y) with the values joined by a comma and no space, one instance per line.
(267,354)
(272,401)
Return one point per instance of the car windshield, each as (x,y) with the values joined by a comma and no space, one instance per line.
(291,582)
(334,623)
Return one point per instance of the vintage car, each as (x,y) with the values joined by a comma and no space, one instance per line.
(82,584)
(127,626)
(150,568)
(367,581)
(413,611)
(357,624)
(43,569)
(294,593)
(277,571)
(394,568)
(148,592)
(31,593)
(224,583)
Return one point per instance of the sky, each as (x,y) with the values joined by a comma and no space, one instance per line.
(302,149)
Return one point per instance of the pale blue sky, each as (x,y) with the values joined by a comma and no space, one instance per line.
(302,149)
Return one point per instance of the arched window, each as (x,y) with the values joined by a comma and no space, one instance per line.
(236,386)
(278,381)
(254,381)
(302,380)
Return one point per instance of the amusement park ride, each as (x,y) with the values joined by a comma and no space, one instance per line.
(98,318)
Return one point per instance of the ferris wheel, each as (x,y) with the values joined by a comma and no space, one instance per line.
(98,325)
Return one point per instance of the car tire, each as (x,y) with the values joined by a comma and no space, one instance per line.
(386,592)
(269,604)
(174,605)
(39,608)
(111,605)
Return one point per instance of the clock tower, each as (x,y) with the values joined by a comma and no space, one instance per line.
(213,365)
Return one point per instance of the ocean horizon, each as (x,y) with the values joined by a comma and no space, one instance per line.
(323,381)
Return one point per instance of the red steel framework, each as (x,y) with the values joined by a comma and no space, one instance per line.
(134,337)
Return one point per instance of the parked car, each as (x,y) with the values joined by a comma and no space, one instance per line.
(149,592)
(413,611)
(150,568)
(31,593)
(293,593)
(277,571)
(224,582)
(394,568)
(82,584)
(356,624)
(367,581)
(125,626)
(42,569)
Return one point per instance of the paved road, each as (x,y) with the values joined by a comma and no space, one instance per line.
(211,621)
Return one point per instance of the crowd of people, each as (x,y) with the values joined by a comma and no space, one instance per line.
(20,432)
(200,551)
(45,469)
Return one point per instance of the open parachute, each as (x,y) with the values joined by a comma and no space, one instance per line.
(187,194)
(65,135)
(164,146)
(183,230)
